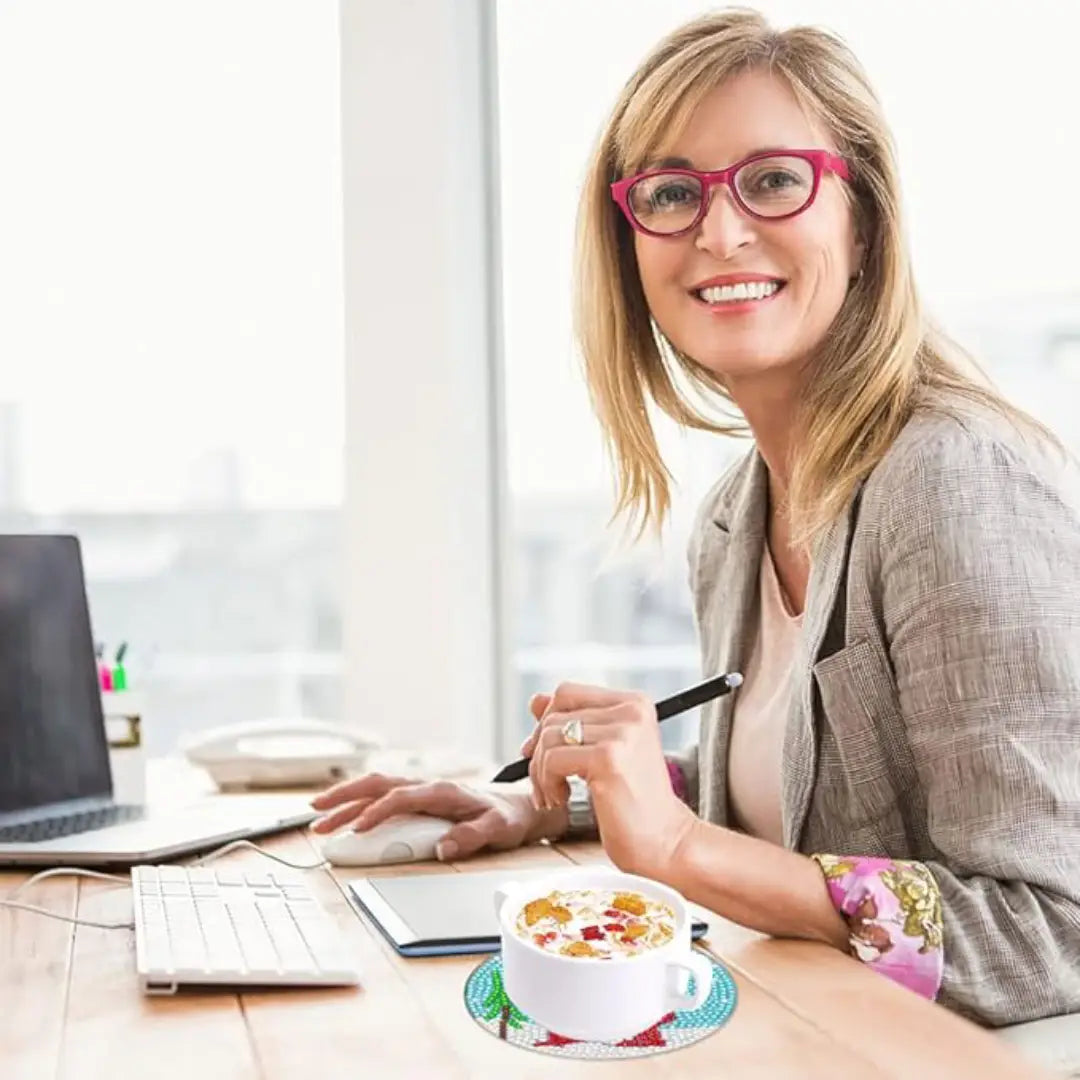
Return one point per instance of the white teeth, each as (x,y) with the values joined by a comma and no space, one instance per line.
(744,290)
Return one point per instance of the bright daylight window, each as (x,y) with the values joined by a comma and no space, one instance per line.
(170,267)
(993,245)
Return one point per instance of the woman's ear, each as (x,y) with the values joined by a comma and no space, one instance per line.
(857,251)
(858,255)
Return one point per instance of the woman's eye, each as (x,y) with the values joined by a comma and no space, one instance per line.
(775,180)
(673,195)
(771,182)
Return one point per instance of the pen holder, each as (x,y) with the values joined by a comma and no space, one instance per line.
(123,731)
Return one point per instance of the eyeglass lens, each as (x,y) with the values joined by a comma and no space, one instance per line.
(771,187)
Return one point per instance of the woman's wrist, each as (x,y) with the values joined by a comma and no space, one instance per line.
(555,823)
(755,883)
(550,824)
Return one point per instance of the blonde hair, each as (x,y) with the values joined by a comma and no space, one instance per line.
(881,359)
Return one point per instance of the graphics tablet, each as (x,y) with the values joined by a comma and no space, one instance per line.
(444,914)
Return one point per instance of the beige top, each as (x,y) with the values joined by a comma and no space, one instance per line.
(759,714)
(935,687)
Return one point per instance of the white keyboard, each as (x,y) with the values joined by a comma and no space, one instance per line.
(234,927)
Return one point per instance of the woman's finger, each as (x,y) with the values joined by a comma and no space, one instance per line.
(362,787)
(554,716)
(527,747)
(559,762)
(553,721)
(595,714)
(342,816)
(569,696)
(440,798)
(468,837)
(595,718)
(592,732)
(548,793)
(557,719)
(538,705)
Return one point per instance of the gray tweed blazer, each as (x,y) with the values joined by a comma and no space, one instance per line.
(935,710)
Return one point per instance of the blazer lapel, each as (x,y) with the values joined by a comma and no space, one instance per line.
(827,579)
(728,569)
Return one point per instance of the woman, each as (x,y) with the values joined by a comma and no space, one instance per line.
(894,566)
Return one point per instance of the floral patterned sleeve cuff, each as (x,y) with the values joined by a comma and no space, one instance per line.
(893,911)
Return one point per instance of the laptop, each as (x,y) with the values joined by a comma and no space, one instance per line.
(56,793)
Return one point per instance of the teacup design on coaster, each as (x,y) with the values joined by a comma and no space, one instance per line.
(489,1004)
(563,936)
(602,923)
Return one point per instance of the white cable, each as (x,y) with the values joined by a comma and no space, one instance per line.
(59,870)
(66,918)
(82,872)
(55,872)
(255,847)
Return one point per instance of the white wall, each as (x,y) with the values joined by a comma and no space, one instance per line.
(423,642)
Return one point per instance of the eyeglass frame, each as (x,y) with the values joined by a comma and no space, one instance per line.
(821,161)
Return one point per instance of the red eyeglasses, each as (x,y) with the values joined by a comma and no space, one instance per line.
(769,186)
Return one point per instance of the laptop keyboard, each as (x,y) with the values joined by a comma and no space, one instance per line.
(68,824)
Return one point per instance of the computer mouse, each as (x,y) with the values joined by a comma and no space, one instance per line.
(403,838)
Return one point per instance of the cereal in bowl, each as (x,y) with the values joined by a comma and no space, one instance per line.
(604,924)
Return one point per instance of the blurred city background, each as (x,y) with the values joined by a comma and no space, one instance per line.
(171,329)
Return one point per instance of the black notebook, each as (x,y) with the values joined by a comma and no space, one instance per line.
(446,913)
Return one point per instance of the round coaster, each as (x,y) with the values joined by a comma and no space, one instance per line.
(486,1000)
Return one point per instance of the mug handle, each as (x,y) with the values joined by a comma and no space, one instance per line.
(698,966)
(502,892)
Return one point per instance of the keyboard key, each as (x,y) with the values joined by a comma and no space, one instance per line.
(189,954)
(153,911)
(230,877)
(222,948)
(290,944)
(297,892)
(286,879)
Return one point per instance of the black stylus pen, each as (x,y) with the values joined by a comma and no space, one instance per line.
(672,706)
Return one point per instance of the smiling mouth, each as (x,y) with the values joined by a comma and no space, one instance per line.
(742,292)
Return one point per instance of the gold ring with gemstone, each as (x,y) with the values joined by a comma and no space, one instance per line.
(572,732)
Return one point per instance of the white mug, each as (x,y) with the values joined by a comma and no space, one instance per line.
(591,999)
(123,712)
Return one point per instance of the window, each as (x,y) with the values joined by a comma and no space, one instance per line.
(170,207)
(993,250)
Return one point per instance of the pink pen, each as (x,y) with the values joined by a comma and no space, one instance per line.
(104,674)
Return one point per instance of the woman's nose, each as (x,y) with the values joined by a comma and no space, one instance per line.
(725,228)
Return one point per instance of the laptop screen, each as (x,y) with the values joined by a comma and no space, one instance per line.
(52,733)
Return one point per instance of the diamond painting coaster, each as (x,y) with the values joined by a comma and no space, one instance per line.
(488,1005)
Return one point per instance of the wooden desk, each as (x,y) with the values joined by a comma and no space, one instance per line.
(70,1007)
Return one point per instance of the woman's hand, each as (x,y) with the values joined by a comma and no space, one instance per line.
(485,819)
(642,822)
